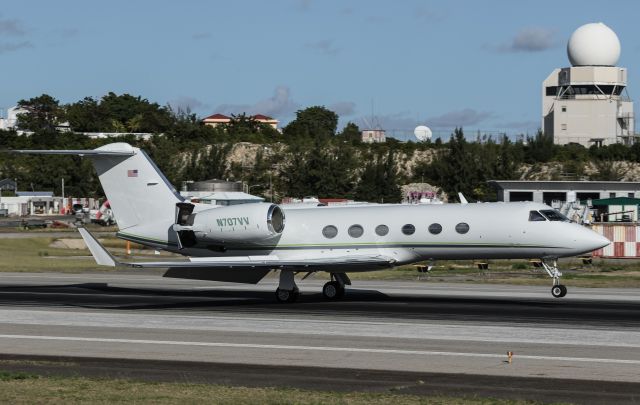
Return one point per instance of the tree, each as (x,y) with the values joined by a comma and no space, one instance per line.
(87,116)
(540,148)
(43,114)
(458,169)
(323,171)
(379,180)
(316,122)
(243,125)
(351,133)
(135,114)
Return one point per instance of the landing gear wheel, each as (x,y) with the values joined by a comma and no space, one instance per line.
(333,290)
(559,291)
(564,290)
(287,295)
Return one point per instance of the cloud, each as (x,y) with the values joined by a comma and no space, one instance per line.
(201,35)
(12,27)
(324,46)
(458,118)
(187,103)
(278,105)
(10,47)
(343,108)
(530,39)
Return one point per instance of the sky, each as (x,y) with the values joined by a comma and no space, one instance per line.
(397,64)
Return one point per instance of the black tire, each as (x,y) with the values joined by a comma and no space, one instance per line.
(557,290)
(333,290)
(287,296)
(564,290)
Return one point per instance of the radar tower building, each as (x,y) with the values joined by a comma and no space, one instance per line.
(587,103)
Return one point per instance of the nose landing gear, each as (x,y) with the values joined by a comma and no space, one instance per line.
(557,290)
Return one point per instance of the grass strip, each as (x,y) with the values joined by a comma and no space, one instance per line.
(22,388)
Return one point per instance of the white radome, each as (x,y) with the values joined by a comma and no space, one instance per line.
(593,44)
(422,132)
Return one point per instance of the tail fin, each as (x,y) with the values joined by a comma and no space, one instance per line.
(137,190)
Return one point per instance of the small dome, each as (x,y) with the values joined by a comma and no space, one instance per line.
(593,44)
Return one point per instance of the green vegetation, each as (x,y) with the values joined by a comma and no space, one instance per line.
(309,157)
(37,255)
(40,254)
(28,389)
(12,376)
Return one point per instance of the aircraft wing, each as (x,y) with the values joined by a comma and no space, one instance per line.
(103,257)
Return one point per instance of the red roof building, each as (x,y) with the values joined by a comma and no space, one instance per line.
(216,119)
(219,119)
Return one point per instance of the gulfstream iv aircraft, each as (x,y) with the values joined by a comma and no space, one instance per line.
(242,243)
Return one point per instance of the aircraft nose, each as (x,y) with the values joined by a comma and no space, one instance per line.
(597,241)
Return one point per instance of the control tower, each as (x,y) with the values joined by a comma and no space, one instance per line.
(587,103)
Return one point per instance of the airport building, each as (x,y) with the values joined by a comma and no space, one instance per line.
(373,136)
(11,120)
(588,102)
(547,192)
(218,192)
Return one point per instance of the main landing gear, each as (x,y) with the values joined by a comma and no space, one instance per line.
(557,290)
(334,289)
(287,290)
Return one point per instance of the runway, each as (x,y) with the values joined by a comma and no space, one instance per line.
(410,329)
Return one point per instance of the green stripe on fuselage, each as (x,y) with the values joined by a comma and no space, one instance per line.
(141,239)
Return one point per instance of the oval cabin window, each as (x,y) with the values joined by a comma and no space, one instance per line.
(435,229)
(408,229)
(462,227)
(355,231)
(382,230)
(330,231)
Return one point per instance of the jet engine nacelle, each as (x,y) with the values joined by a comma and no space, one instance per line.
(242,224)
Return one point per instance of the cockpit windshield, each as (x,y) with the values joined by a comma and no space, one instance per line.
(536,216)
(553,215)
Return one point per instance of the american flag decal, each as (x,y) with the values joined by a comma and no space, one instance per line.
(132,173)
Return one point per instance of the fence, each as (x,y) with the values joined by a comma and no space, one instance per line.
(625,240)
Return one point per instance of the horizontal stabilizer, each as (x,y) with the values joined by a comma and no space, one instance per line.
(78,152)
(98,251)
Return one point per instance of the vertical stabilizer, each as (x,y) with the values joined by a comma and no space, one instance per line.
(137,191)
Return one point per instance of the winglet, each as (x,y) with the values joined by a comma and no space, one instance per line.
(462,199)
(98,251)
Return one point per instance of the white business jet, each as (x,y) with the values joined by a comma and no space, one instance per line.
(242,243)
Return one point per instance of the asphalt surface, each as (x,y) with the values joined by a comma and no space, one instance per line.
(406,337)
